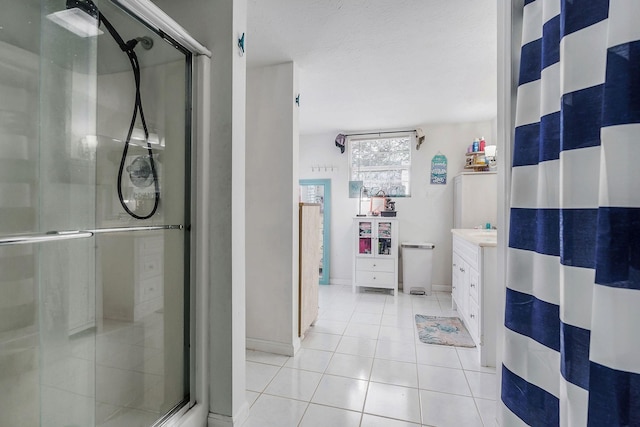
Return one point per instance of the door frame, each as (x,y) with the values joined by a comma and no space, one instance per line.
(326,226)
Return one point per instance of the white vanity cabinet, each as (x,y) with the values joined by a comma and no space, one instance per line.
(375,261)
(474,288)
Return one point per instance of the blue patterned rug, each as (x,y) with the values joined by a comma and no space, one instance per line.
(443,331)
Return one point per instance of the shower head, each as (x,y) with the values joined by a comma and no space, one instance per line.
(87,6)
(81,17)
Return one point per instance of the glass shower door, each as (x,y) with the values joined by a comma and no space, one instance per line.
(47,190)
(92,300)
(142,276)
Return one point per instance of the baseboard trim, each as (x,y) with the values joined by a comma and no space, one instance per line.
(441,288)
(273,347)
(348,282)
(218,420)
(434,288)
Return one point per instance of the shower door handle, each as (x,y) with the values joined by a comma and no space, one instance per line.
(51,236)
(136,228)
(54,236)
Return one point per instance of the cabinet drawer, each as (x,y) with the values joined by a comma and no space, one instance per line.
(375,279)
(150,266)
(147,245)
(375,264)
(467,251)
(150,288)
(474,284)
(474,319)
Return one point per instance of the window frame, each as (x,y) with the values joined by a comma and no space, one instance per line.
(382,168)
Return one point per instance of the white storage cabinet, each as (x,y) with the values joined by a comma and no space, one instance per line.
(375,263)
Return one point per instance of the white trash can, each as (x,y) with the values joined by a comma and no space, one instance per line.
(416,266)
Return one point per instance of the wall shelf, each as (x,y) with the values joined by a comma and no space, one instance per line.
(475,160)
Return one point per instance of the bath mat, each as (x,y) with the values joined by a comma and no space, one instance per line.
(443,331)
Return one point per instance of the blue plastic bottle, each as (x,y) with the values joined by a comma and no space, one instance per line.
(476,144)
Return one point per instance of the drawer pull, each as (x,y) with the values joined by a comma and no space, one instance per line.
(472,316)
(462,269)
(473,285)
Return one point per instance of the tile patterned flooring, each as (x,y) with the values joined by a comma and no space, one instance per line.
(362,364)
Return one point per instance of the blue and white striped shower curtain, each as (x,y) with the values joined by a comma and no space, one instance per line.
(572,314)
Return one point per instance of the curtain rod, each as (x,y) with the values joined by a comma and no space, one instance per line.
(341,138)
(379,133)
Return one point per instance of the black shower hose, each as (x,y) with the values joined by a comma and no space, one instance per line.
(127,47)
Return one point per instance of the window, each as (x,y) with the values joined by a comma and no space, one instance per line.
(382,164)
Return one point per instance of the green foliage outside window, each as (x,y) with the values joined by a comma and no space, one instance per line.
(383,164)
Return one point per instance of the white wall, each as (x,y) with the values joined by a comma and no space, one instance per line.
(217,25)
(272,209)
(426,216)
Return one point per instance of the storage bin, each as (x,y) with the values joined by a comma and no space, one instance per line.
(417,261)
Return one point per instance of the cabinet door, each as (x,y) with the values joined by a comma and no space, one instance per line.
(455,278)
(366,238)
(308,258)
(386,234)
(463,285)
(473,321)
(474,284)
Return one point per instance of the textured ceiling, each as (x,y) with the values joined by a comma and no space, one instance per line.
(381,64)
(363,64)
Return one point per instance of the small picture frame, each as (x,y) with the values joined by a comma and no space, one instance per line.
(354,189)
(439,169)
(377,204)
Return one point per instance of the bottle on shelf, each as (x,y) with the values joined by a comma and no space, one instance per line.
(482,144)
(476,145)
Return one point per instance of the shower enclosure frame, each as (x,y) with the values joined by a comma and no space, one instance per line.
(197,117)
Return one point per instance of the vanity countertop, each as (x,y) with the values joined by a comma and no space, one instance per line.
(478,237)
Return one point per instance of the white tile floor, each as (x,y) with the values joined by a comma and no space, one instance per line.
(362,364)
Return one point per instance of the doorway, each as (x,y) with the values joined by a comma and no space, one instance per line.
(319,191)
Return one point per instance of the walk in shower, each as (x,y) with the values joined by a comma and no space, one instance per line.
(94,218)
